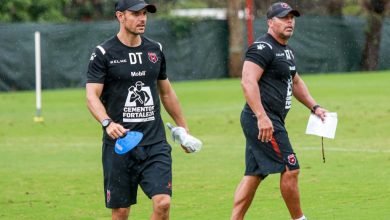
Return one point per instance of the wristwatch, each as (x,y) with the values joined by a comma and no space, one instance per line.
(314,108)
(106,122)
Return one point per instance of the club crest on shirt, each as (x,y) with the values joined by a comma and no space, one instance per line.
(291,159)
(152,57)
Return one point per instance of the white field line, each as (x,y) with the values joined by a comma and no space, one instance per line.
(362,150)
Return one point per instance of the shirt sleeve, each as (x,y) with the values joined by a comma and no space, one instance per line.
(97,68)
(260,53)
(162,75)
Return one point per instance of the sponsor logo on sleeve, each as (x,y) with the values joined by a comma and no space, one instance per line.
(93,55)
(260,46)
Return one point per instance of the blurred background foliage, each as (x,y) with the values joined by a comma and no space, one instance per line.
(86,10)
(62,11)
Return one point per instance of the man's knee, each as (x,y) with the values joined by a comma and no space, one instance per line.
(120,213)
(162,203)
(289,177)
(291,173)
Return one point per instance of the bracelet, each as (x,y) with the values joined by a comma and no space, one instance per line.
(314,108)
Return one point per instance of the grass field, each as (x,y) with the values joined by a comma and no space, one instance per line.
(52,170)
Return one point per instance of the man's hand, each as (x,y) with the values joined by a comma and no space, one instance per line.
(115,130)
(185,149)
(189,143)
(266,128)
(320,112)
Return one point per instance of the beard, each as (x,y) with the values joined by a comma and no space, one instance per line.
(286,35)
(135,31)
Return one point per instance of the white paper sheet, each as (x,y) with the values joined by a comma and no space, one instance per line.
(320,128)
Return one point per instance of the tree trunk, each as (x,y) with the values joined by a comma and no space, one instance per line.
(235,38)
(335,7)
(375,9)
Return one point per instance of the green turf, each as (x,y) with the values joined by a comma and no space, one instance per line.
(53,170)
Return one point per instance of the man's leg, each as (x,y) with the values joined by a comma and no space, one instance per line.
(244,195)
(120,213)
(290,192)
(161,205)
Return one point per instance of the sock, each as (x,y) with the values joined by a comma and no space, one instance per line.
(301,218)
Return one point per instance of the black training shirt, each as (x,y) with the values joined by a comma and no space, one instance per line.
(130,94)
(275,84)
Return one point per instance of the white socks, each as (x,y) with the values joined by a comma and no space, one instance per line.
(301,218)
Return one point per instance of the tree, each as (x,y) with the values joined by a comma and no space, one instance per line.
(335,7)
(307,7)
(32,10)
(376,13)
(235,38)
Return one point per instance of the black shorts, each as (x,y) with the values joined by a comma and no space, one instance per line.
(263,158)
(147,166)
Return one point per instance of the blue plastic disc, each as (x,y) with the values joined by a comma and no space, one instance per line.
(128,142)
